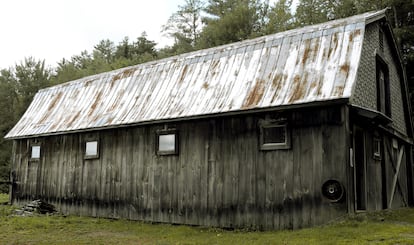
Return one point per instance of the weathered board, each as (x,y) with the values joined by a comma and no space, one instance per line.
(219,178)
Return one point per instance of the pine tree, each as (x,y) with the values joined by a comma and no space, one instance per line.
(230,21)
(185,25)
(280,17)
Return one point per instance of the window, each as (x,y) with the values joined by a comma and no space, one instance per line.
(381,40)
(35,152)
(92,149)
(167,142)
(383,88)
(274,135)
(377,148)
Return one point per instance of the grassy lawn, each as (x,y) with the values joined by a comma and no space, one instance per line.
(396,227)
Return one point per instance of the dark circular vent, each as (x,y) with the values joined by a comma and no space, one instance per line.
(333,190)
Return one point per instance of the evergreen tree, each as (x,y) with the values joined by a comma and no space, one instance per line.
(30,75)
(280,17)
(185,25)
(230,21)
(17,88)
(309,12)
(104,50)
(123,50)
(8,106)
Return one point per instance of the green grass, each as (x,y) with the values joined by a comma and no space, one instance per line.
(386,227)
(4,198)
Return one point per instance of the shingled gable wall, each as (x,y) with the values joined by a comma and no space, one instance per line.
(365,91)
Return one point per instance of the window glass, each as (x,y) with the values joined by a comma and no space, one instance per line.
(35,152)
(91,149)
(383,88)
(166,142)
(377,148)
(274,134)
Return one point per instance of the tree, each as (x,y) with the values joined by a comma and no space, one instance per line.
(309,12)
(402,15)
(230,21)
(17,88)
(30,75)
(104,50)
(280,17)
(8,104)
(185,25)
(123,50)
(144,49)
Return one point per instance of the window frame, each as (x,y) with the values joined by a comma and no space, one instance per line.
(263,125)
(162,132)
(383,87)
(376,148)
(85,144)
(31,146)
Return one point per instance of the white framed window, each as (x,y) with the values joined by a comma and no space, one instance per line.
(274,135)
(167,142)
(91,149)
(35,152)
(376,146)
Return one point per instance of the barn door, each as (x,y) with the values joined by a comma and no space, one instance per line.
(396,156)
(360,169)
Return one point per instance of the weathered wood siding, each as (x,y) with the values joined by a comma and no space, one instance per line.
(219,178)
(387,183)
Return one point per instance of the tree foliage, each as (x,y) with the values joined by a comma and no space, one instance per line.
(185,25)
(280,17)
(17,88)
(231,21)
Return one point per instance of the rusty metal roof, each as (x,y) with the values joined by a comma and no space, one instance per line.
(314,63)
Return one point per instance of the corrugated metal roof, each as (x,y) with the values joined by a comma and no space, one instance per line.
(314,63)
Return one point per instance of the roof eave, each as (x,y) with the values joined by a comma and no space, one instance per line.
(207,116)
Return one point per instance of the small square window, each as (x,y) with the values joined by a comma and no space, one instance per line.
(35,152)
(92,149)
(167,142)
(377,149)
(274,136)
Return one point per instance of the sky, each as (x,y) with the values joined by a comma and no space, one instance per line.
(51,30)
(54,29)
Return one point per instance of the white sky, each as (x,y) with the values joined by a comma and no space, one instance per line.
(56,29)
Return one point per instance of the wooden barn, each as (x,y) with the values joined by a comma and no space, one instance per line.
(283,131)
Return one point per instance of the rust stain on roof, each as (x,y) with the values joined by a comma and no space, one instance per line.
(123,74)
(299,88)
(277,80)
(277,84)
(183,73)
(54,101)
(74,118)
(306,52)
(95,103)
(338,90)
(316,49)
(354,34)
(335,44)
(320,84)
(215,64)
(205,85)
(344,68)
(89,82)
(255,94)
(117,100)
